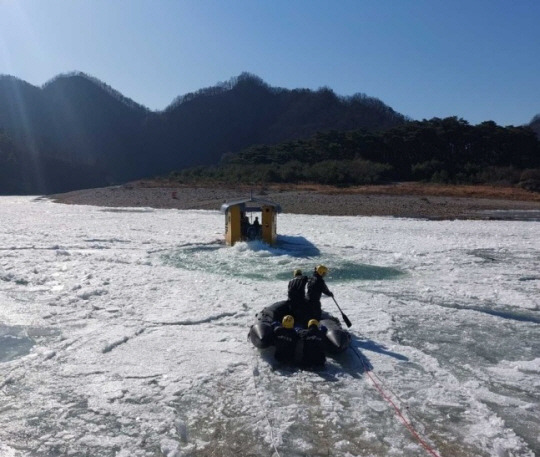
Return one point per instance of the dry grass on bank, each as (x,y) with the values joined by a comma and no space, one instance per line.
(394,189)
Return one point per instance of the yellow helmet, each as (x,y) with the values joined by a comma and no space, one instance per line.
(288,321)
(313,322)
(321,269)
(297,272)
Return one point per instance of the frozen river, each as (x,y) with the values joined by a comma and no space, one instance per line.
(123,333)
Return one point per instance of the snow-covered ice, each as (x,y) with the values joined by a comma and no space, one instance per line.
(123,333)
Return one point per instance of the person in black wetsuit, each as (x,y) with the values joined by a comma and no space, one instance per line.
(257,227)
(312,340)
(244,225)
(315,288)
(296,293)
(285,338)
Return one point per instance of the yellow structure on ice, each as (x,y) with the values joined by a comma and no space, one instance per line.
(242,224)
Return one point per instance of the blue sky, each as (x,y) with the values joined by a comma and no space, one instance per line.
(475,59)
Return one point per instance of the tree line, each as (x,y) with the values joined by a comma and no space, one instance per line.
(448,150)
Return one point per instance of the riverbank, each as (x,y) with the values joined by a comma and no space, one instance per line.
(411,200)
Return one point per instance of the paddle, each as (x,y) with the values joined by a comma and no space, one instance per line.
(345,318)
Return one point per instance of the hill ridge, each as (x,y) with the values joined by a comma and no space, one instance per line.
(76,131)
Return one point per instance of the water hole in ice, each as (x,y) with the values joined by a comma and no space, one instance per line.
(258,261)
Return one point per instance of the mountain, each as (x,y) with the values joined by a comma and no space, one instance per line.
(77,132)
(73,132)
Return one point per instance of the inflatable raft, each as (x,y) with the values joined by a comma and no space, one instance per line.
(261,332)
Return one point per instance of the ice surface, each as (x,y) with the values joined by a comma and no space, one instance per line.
(123,333)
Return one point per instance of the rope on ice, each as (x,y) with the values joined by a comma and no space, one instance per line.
(400,415)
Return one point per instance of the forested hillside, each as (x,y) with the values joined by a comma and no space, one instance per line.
(438,150)
(74,132)
(77,132)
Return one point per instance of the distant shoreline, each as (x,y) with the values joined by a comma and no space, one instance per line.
(408,200)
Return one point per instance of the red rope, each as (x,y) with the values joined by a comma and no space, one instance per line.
(407,424)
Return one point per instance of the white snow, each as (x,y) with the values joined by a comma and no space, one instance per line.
(123,333)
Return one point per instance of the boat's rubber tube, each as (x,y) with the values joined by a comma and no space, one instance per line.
(261,333)
(337,339)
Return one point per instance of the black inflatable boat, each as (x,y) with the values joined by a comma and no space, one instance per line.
(261,332)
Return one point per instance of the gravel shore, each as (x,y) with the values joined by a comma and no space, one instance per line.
(324,201)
